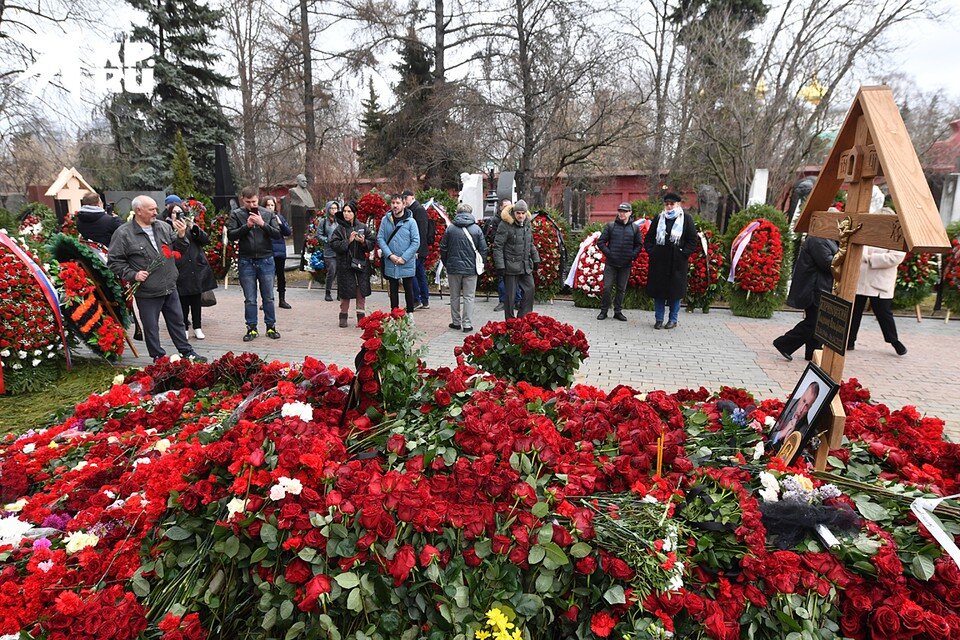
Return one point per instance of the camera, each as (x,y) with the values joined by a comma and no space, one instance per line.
(109,208)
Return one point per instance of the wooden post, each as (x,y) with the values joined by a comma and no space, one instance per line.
(919,314)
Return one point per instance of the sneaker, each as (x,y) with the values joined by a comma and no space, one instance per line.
(193,356)
(424,305)
(602,315)
(622,318)
(468,329)
(273,333)
(499,307)
(328,297)
(198,333)
(669,325)
(658,325)
(251,334)
(454,325)
(899,348)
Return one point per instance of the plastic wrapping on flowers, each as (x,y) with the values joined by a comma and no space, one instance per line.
(588,281)
(30,345)
(916,277)
(951,270)
(704,285)
(760,285)
(240,499)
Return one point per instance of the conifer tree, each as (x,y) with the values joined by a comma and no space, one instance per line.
(183,183)
(371,152)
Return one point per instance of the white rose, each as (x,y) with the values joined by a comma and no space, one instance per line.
(29,448)
(235,506)
(36,361)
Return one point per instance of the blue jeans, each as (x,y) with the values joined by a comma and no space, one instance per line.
(501,289)
(254,271)
(659,305)
(421,290)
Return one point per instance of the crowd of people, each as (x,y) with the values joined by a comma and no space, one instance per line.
(174,288)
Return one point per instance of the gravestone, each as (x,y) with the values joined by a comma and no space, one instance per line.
(708,200)
(950,199)
(301,209)
(12,202)
(758,188)
(507,186)
(872,142)
(123,201)
(472,193)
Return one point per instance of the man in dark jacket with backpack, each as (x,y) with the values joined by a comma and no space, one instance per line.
(620,243)
(421,288)
(462,251)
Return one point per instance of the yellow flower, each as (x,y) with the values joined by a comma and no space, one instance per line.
(481,635)
(497,620)
(804,482)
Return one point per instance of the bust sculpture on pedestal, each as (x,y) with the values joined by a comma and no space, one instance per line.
(301,209)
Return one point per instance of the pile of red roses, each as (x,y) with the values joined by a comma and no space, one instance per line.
(220,255)
(703,280)
(951,272)
(534,348)
(758,270)
(237,498)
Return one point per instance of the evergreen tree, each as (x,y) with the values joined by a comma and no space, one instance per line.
(182,184)
(184,98)
(371,152)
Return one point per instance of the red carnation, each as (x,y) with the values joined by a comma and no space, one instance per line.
(602,624)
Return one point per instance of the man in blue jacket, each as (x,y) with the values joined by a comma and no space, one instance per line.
(399,240)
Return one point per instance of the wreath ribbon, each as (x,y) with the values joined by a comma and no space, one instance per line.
(739,246)
(572,274)
(49,292)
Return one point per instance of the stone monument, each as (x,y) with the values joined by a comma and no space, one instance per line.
(300,210)
(950,200)
(708,199)
(472,193)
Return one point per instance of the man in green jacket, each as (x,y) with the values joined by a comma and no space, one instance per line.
(141,252)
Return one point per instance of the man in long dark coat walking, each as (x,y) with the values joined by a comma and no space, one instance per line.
(670,241)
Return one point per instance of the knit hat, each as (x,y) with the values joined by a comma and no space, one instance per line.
(463,207)
(521,205)
(172,199)
(624,206)
(672,196)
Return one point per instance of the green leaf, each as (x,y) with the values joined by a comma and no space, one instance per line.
(580,550)
(529,605)
(615,595)
(140,586)
(178,533)
(836,462)
(545,534)
(537,554)
(347,580)
(231,547)
(259,555)
(483,548)
(872,511)
(286,609)
(269,619)
(922,567)
(355,601)
(555,556)
(540,509)
(268,533)
(295,630)
(545,582)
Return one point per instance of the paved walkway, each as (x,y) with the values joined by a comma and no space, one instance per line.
(706,349)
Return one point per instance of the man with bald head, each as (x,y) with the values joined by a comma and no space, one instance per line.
(137,255)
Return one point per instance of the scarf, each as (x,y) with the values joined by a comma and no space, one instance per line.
(677,229)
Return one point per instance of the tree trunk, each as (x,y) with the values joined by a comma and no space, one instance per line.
(525,176)
(309,122)
(251,166)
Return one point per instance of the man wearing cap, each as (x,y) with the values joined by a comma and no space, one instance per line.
(421,289)
(670,241)
(515,257)
(620,243)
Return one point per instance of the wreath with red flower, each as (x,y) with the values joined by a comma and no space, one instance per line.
(547,240)
(433,254)
(640,269)
(86,314)
(69,226)
(951,270)
(703,280)
(759,268)
(220,254)
(29,339)
(916,277)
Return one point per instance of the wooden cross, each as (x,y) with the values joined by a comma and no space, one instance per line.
(873,142)
(69,186)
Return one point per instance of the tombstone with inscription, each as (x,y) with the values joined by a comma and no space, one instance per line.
(300,207)
(708,200)
(950,199)
(122,200)
(872,142)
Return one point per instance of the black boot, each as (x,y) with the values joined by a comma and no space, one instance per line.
(283,301)
(360,316)
(343,319)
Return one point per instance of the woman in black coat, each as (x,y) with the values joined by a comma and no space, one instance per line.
(811,277)
(352,241)
(670,241)
(196,276)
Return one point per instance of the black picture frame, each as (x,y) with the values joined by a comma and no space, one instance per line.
(798,422)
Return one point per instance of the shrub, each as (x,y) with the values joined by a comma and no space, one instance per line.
(951,270)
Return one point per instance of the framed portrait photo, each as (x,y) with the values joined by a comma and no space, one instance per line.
(807,404)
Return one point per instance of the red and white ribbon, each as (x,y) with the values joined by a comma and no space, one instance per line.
(739,245)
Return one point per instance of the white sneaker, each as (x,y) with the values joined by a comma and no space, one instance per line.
(199,334)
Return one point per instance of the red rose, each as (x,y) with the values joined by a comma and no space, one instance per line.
(572,613)
(402,564)
(428,554)
(317,586)
(887,563)
(586,565)
(602,624)
(884,623)
(298,572)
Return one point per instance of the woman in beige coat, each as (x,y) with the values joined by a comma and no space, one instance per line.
(878,278)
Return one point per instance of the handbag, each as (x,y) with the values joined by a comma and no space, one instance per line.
(208,298)
(478,259)
(358,264)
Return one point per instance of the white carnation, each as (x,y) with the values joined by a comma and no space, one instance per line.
(300,410)
(12,529)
